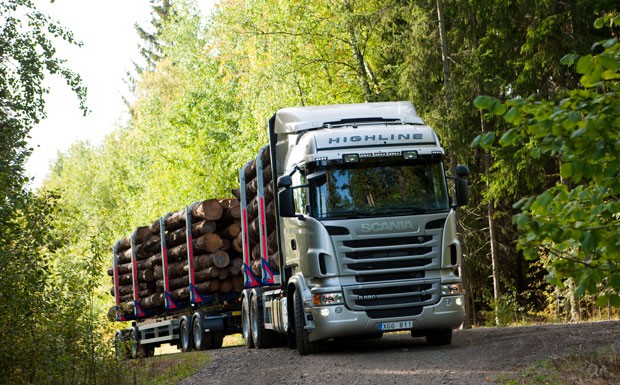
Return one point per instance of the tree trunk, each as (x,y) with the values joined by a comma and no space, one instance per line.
(210,209)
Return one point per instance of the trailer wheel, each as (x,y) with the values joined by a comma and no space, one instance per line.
(199,335)
(246,330)
(439,337)
(185,335)
(204,340)
(134,347)
(304,345)
(262,337)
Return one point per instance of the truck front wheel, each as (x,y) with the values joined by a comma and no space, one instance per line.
(304,345)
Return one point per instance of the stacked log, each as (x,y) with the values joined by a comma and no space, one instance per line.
(215,225)
(251,189)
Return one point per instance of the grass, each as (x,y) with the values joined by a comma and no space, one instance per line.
(602,368)
(163,369)
(168,366)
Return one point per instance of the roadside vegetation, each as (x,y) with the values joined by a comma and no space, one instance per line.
(599,368)
(525,93)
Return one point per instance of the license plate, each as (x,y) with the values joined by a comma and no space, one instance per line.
(391,326)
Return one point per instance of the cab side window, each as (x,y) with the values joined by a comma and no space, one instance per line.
(300,194)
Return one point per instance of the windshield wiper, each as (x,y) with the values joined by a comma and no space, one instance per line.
(412,211)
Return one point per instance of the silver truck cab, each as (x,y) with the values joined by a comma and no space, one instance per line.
(367,229)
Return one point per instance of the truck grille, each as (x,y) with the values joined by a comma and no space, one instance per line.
(388,258)
(390,273)
(392,296)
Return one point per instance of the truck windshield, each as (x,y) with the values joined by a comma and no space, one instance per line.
(367,190)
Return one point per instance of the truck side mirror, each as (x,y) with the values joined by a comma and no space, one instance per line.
(317,179)
(462,171)
(461,186)
(286,204)
(285,181)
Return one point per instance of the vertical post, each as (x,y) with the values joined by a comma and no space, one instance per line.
(170,305)
(117,296)
(194,296)
(249,279)
(268,276)
(139,313)
(273,143)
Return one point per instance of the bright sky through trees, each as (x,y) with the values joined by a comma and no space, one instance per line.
(110,46)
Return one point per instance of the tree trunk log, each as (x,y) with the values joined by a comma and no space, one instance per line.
(232,209)
(237,282)
(206,274)
(237,243)
(210,209)
(211,286)
(219,259)
(250,170)
(226,286)
(231,231)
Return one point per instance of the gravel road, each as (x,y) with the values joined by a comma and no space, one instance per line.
(476,356)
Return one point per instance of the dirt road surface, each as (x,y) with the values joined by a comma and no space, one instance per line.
(476,356)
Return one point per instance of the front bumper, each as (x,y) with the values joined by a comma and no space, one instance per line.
(338,321)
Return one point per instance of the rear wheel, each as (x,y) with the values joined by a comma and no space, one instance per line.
(185,335)
(246,330)
(262,337)
(134,348)
(202,339)
(304,345)
(439,337)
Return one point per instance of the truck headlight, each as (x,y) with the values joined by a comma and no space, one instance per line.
(328,299)
(452,289)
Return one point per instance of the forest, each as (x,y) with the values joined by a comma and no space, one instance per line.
(524,92)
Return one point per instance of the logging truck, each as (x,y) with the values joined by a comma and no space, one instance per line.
(342,226)
(348,229)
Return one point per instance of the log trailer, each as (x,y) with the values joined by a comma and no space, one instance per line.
(347,230)
(176,283)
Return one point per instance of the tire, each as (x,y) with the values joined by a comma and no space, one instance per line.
(202,339)
(262,337)
(246,329)
(134,347)
(304,345)
(185,335)
(439,337)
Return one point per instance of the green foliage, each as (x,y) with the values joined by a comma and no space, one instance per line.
(574,222)
(578,368)
(43,317)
